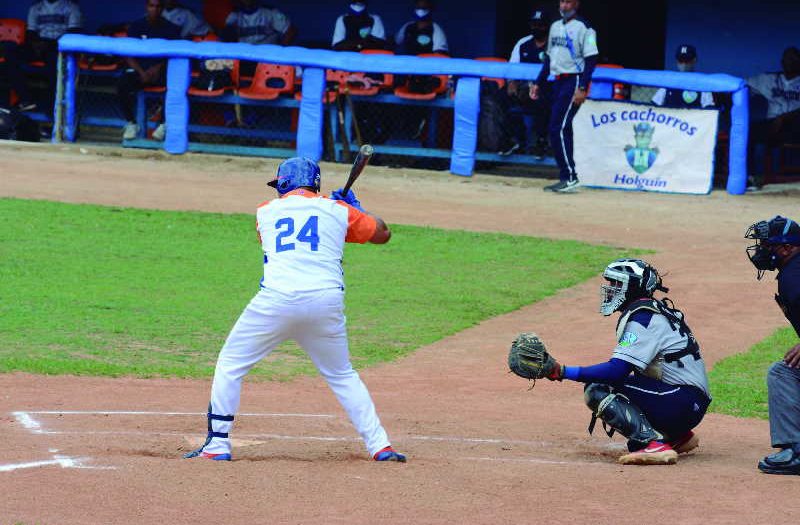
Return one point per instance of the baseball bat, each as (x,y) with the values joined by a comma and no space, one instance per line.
(362,159)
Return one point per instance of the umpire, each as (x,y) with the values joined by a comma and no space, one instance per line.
(777,248)
(571,57)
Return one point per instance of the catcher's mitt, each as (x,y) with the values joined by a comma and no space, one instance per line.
(528,358)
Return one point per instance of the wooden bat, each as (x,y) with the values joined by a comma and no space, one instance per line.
(362,159)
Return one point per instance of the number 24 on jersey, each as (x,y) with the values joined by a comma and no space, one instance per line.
(308,233)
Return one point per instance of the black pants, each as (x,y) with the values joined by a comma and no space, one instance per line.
(128,87)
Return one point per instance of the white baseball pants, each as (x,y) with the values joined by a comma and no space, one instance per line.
(316,321)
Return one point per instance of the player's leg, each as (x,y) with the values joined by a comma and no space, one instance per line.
(567,139)
(259,329)
(324,337)
(559,118)
(783,387)
(672,410)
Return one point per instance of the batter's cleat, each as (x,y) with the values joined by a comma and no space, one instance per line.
(685,443)
(389,454)
(207,455)
(656,453)
(787,461)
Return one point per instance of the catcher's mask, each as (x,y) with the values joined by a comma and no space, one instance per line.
(296,172)
(628,279)
(769,235)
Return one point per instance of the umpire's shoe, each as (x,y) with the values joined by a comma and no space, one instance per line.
(787,461)
(389,454)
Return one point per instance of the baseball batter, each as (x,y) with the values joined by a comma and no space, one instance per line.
(654,389)
(571,57)
(302,235)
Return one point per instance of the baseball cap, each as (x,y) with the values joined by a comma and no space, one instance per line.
(686,53)
(539,15)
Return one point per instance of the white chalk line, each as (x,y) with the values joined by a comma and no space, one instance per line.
(536,460)
(151,413)
(61,461)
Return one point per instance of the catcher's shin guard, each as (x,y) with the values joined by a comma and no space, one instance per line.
(617,411)
(218,427)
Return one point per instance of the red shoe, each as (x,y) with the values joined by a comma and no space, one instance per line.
(656,453)
(685,443)
(389,454)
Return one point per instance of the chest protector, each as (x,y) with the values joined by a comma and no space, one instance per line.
(418,41)
(675,319)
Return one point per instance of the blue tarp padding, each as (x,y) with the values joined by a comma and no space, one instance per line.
(176,106)
(466,107)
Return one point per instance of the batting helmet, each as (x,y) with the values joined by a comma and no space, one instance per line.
(629,279)
(296,172)
(769,234)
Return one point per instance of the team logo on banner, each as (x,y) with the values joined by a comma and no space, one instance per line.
(642,157)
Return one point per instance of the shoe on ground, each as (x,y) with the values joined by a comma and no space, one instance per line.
(656,453)
(26,106)
(160,132)
(685,443)
(787,461)
(130,131)
(389,454)
(564,186)
(509,150)
(200,453)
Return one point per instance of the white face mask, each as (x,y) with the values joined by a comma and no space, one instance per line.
(357,8)
(685,67)
(421,13)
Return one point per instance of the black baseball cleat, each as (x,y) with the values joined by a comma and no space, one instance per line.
(787,461)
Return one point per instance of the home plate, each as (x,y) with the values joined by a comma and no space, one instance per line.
(197,442)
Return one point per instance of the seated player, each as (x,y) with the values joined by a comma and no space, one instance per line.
(358,29)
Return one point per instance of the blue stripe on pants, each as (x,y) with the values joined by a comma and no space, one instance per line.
(561,125)
(673,410)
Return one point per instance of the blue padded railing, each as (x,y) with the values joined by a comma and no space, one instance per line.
(316,61)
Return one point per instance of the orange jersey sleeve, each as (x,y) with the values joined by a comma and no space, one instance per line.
(360,226)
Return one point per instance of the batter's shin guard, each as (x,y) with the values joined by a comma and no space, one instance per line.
(218,427)
(617,411)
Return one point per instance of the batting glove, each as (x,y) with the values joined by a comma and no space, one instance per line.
(350,198)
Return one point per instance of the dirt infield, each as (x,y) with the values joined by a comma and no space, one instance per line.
(482,449)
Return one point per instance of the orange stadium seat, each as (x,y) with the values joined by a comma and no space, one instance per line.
(259,88)
(404,92)
(501,82)
(12,30)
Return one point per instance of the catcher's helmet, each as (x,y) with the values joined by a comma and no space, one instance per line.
(769,234)
(296,172)
(629,279)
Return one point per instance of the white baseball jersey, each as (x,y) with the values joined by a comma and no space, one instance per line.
(782,94)
(51,20)
(568,44)
(648,340)
(189,22)
(264,26)
(303,235)
(377,30)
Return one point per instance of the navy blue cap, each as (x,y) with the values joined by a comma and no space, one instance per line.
(539,15)
(686,53)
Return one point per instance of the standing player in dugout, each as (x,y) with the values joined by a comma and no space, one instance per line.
(571,57)
(654,389)
(301,297)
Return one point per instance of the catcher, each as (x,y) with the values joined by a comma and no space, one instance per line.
(654,389)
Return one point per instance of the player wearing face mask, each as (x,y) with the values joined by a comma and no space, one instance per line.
(422,35)
(358,29)
(686,56)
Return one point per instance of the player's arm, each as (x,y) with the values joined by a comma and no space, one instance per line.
(611,371)
(382,232)
(543,74)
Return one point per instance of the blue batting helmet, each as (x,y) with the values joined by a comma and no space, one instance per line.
(296,172)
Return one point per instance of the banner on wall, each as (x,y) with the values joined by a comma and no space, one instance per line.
(639,147)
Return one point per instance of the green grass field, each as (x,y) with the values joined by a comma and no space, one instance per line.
(111,291)
(739,382)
